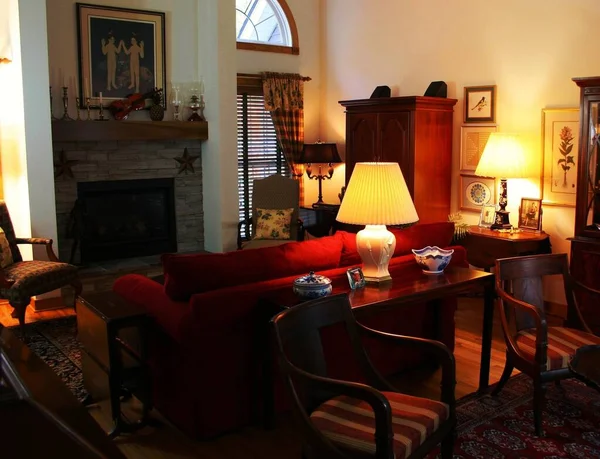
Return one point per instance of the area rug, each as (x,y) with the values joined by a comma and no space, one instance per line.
(502,426)
(489,427)
(55,342)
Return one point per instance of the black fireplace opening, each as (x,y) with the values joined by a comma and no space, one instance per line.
(126,218)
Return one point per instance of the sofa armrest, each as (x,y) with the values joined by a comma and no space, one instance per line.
(150,296)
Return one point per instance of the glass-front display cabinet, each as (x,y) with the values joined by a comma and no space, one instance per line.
(585,245)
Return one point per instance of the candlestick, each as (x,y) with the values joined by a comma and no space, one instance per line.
(65,99)
(100,93)
(87,105)
(77,107)
(52,117)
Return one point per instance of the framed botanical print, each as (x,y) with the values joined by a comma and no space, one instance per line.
(472,142)
(480,104)
(476,191)
(121,52)
(560,134)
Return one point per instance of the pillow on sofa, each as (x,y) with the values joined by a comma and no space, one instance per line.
(186,274)
(413,237)
(273,223)
(422,235)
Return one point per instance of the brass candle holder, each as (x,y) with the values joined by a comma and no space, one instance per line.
(87,106)
(77,107)
(65,99)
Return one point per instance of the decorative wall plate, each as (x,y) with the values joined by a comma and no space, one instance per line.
(476,191)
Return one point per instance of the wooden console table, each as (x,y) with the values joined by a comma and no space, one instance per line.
(484,245)
(409,286)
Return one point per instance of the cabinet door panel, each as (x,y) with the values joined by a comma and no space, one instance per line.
(361,132)
(394,143)
(585,265)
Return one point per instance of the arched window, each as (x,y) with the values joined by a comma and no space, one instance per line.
(266,25)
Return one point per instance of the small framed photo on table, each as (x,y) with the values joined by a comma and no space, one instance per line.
(480,104)
(530,214)
(356,278)
(488,215)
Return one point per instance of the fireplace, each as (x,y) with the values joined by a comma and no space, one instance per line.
(125,218)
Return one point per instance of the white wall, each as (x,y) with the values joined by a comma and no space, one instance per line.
(308,63)
(530,50)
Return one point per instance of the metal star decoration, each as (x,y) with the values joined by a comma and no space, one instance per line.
(63,165)
(186,162)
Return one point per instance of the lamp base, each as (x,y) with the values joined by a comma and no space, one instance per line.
(375,245)
(501,220)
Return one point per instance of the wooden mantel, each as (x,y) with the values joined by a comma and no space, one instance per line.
(78,131)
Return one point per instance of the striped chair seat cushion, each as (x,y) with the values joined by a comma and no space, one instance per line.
(350,423)
(562,344)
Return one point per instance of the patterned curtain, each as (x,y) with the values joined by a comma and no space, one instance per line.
(284,99)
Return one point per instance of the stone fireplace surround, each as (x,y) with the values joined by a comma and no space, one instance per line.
(126,160)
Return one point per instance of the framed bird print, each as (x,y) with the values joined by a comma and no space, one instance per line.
(480,104)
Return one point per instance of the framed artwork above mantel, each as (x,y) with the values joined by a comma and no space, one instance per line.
(121,52)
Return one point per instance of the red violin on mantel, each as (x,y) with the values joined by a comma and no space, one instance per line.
(120,109)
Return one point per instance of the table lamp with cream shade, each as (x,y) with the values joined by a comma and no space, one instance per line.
(376,196)
(503,157)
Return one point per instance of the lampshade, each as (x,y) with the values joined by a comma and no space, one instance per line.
(503,156)
(320,153)
(377,195)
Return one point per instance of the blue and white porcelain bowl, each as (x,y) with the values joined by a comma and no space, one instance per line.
(312,286)
(433,260)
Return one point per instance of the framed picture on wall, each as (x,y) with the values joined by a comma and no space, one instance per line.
(480,104)
(476,191)
(560,134)
(121,52)
(472,142)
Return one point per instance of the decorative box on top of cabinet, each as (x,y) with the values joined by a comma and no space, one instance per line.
(415,132)
(585,244)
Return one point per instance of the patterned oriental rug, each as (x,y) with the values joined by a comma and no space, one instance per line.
(488,427)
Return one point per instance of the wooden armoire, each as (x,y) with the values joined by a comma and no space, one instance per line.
(585,245)
(415,132)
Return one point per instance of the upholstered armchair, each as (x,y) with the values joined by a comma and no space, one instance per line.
(275,192)
(20,280)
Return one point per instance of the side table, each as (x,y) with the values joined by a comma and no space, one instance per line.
(112,333)
(484,245)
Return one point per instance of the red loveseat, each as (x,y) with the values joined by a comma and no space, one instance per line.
(209,318)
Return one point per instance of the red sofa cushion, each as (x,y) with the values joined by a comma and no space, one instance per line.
(186,275)
(413,237)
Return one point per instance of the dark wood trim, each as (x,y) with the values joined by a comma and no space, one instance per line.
(76,131)
(294,49)
(249,83)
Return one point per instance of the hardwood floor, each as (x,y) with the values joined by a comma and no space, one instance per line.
(283,442)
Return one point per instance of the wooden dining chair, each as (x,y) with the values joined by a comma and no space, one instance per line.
(349,419)
(533,347)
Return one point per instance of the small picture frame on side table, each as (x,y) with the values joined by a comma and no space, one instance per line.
(356,278)
(476,191)
(487,216)
(480,104)
(530,214)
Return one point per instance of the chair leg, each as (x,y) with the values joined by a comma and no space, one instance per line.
(538,406)
(78,287)
(19,313)
(508,369)
(447,449)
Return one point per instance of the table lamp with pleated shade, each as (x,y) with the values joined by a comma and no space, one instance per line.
(503,157)
(376,196)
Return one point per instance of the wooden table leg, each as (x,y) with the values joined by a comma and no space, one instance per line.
(486,340)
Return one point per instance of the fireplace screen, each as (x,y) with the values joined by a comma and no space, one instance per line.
(126,218)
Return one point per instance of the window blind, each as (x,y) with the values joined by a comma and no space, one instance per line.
(259,154)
